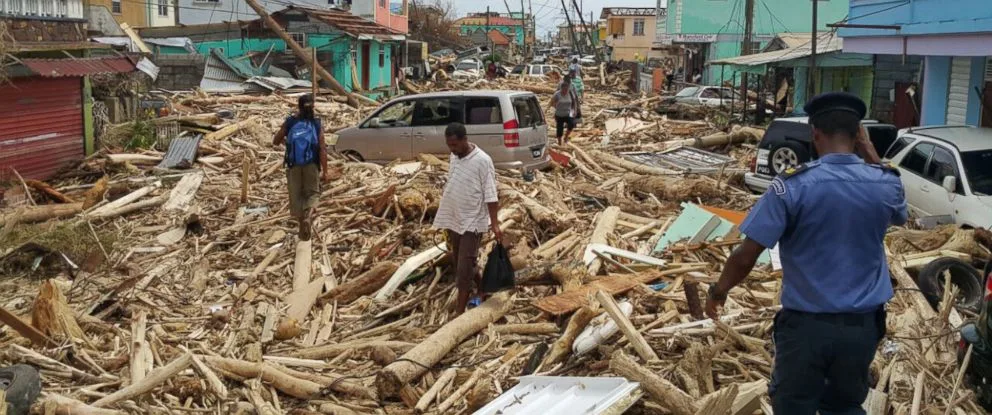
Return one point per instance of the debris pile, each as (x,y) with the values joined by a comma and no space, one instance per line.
(192,292)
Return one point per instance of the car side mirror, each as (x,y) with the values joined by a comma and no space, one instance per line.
(374,122)
(950,183)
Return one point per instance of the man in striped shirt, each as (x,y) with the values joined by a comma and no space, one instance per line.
(468,206)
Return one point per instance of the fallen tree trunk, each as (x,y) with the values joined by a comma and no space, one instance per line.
(365,284)
(662,391)
(537,89)
(228,130)
(544,216)
(133,207)
(605,223)
(49,191)
(737,135)
(268,373)
(64,405)
(398,374)
(153,379)
(40,213)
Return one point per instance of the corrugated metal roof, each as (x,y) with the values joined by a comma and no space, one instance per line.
(688,159)
(181,153)
(41,126)
(342,20)
(219,77)
(53,68)
(825,43)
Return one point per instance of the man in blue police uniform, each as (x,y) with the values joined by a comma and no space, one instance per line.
(829,217)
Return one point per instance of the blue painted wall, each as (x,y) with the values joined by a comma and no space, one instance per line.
(935,87)
(920,16)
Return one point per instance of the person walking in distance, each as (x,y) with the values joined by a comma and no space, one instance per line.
(468,206)
(304,140)
(565,104)
(829,218)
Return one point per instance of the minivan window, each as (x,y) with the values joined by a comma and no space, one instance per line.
(480,111)
(688,92)
(881,137)
(527,115)
(436,111)
(978,168)
(917,158)
(897,147)
(398,114)
(943,164)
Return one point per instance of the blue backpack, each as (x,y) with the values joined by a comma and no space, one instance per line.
(301,143)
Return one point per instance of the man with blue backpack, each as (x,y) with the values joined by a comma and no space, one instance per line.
(304,141)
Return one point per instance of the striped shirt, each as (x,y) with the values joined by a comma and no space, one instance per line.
(471,185)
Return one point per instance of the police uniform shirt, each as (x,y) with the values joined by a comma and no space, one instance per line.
(829,217)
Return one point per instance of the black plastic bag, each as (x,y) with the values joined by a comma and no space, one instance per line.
(498,274)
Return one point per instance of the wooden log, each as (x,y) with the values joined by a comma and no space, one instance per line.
(425,400)
(39,213)
(127,199)
(25,329)
(301,301)
(392,378)
(213,381)
(154,378)
(53,403)
(615,284)
(139,364)
(544,216)
(367,283)
(877,402)
(227,131)
(335,349)
(297,388)
(95,194)
(664,392)
(748,398)
(917,394)
(182,194)
(640,345)
(531,328)
(537,89)
(691,289)
(605,224)
(302,265)
(585,157)
(719,402)
(133,207)
(47,189)
(563,346)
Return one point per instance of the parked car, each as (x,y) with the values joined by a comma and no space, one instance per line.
(946,171)
(712,96)
(788,142)
(508,125)
(539,71)
(540,58)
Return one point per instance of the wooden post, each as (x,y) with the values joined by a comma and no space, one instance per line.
(313,75)
(301,53)
(640,345)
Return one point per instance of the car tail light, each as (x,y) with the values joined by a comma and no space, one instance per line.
(988,287)
(511,137)
(753,165)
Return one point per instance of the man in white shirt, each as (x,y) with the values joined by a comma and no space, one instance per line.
(468,206)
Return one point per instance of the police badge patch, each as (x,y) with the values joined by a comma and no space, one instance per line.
(778,186)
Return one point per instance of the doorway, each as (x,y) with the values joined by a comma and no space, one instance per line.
(366,64)
(906,110)
(987,105)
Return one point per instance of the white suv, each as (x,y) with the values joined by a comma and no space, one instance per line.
(946,170)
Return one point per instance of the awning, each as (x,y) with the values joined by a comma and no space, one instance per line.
(825,44)
(54,68)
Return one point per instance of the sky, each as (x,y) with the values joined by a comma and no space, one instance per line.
(548,13)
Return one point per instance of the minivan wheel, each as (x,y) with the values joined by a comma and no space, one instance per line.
(963,275)
(787,154)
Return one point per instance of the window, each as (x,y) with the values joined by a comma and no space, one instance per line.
(528,112)
(483,111)
(709,93)
(299,38)
(687,92)
(917,158)
(941,165)
(638,27)
(978,168)
(897,147)
(399,114)
(382,57)
(115,6)
(436,111)
(163,8)
(382,3)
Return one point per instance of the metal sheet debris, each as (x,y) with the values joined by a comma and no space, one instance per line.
(565,395)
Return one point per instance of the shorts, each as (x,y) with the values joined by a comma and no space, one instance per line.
(465,255)
(561,123)
(304,188)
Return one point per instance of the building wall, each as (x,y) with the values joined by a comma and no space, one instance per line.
(54,9)
(155,19)
(626,45)
(890,69)
(920,17)
(380,12)
(133,12)
(179,72)
(34,30)
(515,33)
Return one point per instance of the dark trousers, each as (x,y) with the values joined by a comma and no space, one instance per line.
(465,254)
(822,361)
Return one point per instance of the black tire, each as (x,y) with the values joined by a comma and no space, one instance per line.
(22,384)
(787,149)
(963,275)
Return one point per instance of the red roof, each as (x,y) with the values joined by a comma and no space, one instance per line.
(342,20)
(54,68)
(498,38)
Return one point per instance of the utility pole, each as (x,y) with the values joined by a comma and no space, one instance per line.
(746,44)
(524,22)
(582,20)
(488,41)
(811,75)
(301,53)
(571,29)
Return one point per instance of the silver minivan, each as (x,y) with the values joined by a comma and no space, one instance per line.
(507,125)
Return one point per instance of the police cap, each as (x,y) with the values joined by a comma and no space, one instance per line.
(835,101)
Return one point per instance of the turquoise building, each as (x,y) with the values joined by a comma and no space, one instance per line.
(510,27)
(706,30)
